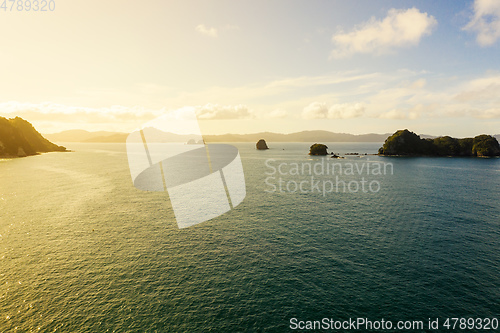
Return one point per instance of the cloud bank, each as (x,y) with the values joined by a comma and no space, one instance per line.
(317,110)
(223,112)
(400,28)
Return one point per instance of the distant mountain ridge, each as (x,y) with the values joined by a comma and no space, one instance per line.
(18,138)
(304,136)
(80,136)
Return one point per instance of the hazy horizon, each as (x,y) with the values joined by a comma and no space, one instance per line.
(280,133)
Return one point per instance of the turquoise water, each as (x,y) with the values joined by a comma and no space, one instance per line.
(82,250)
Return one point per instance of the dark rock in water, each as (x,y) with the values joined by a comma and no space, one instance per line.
(261,145)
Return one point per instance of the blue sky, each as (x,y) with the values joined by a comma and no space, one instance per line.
(252,66)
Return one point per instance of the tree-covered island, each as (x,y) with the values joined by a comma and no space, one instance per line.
(407,143)
(318,149)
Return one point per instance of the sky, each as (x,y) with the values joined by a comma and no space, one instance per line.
(253,66)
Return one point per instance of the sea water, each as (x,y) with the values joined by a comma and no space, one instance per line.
(82,250)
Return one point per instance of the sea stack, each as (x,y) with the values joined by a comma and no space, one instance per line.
(261,145)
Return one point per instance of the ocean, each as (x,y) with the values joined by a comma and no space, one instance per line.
(82,250)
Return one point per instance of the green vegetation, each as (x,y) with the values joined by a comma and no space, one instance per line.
(318,149)
(404,142)
(18,138)
(485,145)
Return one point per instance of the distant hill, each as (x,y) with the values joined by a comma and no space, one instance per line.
(111,137)
(18,138)
(81,136)
(117,137)
(305,136)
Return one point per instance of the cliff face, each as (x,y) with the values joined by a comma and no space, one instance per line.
(404,142)
(18,138)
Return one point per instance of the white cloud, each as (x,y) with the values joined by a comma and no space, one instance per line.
(277,113)
(394,114)
(311,81)
(282,89)
(486,21)
(219,112)
(477,98)
(418,84)
(317,110)
(481,90)
(116,115)
(49,108)
(458,111)
(414,112)
(493,113)
(204,30)
(400,28)
(346,110)
(122,117)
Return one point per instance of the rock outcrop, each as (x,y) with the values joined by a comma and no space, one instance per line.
(261,145)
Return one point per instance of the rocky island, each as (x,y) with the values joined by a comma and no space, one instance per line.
(318,149)
(18,138)
(407,143)
(261,145)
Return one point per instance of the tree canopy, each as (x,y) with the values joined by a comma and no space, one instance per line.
(404,142)
(318,149)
